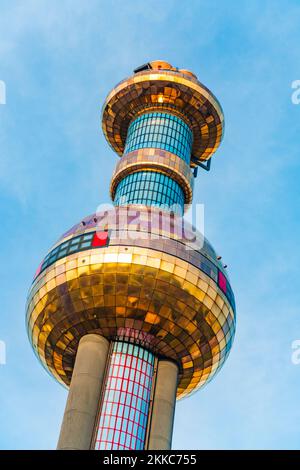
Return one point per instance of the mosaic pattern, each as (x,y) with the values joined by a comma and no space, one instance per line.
(163,91)
(155,160)
(80,243)
(149,228)
(158,288)
(149,283)
(124,412)
(160,130)
(151,189)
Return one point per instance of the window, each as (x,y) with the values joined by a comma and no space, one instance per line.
(75,244)
(124,426)
(160,130)
(152,189)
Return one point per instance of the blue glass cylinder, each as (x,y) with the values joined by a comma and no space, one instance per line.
(160,130)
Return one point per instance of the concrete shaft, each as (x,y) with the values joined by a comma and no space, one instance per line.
(161,426)
(83,400)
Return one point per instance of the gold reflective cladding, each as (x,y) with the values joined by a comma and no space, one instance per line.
(152,288)
(161,90)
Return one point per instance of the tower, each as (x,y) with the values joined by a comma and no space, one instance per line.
(132,308)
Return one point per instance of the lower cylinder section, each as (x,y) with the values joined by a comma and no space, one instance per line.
(83,400)
(125,405)
(121,397)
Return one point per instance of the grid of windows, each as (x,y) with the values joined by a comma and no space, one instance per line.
(160,130)
(150,188)
(124,413)
(75,244)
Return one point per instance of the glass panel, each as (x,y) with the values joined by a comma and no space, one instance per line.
(124,413)
(152,189)
(160,130)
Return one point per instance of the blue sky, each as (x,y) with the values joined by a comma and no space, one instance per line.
(59,59)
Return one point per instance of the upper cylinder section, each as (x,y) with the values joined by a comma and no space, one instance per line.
(163,122)
(161,131)
(159,87)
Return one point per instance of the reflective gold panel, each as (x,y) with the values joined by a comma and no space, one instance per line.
(149,290)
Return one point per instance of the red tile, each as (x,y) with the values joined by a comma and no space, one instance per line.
(222,282)
(100,239)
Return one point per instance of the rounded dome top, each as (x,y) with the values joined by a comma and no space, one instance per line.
(158,85)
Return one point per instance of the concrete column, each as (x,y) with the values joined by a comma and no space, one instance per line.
(161,425)
(83,400)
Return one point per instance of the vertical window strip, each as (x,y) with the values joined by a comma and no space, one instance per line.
(124,413)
